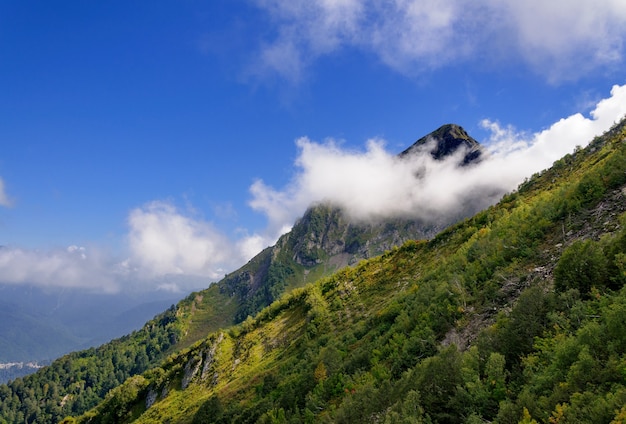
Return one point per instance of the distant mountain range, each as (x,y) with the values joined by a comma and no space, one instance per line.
(40,324)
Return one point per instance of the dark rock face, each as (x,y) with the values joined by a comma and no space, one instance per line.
(325,233)
(447,140)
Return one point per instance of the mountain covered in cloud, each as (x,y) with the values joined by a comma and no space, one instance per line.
(324,240)
(328,237)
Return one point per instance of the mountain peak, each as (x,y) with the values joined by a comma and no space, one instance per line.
(448,139)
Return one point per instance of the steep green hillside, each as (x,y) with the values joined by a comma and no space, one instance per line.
(323,241)
(515,315)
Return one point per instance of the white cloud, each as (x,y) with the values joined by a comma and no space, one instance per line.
(168,250)
(4,199)
(371,184)
(164,241)
(560,39)
(74,267)
(539,151)
(250,245)
(374,183)
(566,36)
(176,251)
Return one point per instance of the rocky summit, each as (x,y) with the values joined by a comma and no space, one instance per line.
(446,141)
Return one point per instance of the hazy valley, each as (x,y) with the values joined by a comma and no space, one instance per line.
(42,324)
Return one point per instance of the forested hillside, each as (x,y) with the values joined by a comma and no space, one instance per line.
(78,381)
(515,315)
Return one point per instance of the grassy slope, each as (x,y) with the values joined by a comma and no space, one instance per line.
(380,342)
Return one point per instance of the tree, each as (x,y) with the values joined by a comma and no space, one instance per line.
(582,266)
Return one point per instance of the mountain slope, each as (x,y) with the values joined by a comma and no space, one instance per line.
(324,240)
(514,314)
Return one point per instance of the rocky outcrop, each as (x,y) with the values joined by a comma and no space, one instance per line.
(445,141)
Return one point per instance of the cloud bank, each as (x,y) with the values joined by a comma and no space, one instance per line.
(167,249)
(176,250)
(374,183)
(559,39)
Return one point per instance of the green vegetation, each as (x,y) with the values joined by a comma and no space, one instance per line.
(80,380)
(515,315)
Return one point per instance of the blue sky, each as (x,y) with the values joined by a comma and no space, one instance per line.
(147,143)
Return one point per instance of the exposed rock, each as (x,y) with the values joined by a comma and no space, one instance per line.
(208,359)
(151,398)
(191,370)
(446,140)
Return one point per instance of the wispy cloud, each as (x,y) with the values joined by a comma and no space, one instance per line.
(374,183)
(305,30)
(561,39)
(4,198)
(74,267)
